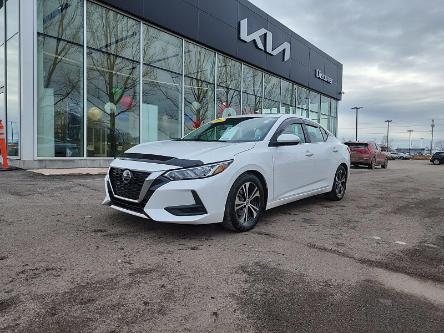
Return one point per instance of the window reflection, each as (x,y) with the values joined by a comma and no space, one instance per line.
(272,94)
(314,106)
(252,91)
(302,102)
(2,85)
(12,18)
(60,78)
(288,98)
(199,86)
(2,21)
(13,95)
(162,86)
(228,95)
(113,82)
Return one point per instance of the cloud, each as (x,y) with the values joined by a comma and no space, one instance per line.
(393,57)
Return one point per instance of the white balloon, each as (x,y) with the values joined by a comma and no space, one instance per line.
(110,107)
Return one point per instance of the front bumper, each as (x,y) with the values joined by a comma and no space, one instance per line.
(199,201)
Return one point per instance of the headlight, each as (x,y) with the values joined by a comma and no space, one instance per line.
(203,171)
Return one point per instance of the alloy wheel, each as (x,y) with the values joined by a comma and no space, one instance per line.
(248,202)
(340,182)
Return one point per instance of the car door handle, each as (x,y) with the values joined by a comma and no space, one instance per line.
(335,150)
(309,154)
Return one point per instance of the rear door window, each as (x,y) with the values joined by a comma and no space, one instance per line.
(315,134)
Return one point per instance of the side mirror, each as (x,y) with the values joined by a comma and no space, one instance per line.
(288,140)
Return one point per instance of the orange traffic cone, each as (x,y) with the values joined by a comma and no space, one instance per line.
(3,150)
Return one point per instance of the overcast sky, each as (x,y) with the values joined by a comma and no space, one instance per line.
(393,57)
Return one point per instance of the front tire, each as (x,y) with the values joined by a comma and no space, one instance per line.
(339,185)
(436,162)
(245,204)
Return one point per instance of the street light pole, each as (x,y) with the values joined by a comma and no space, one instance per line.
(410,141)
(357,108)
(431,143)
(388,132)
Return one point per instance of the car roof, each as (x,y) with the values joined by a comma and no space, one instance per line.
(272,115)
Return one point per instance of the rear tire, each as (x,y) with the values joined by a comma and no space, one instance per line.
(385,165)
(339,187)
(245,204)
(372,164)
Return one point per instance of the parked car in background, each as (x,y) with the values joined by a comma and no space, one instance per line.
(438,158)
(393,155)
(367,153)
(403,156)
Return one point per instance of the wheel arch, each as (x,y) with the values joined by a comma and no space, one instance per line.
(262,179)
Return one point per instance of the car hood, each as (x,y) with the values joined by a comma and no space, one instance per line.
(174,154)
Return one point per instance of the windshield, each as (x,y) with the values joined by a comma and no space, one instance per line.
(245,129)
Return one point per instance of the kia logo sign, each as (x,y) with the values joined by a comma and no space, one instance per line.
(256,36)
(323,77)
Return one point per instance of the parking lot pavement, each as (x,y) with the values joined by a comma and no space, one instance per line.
(373,262)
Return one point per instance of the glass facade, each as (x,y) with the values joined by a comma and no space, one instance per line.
(107,81)
(60,79)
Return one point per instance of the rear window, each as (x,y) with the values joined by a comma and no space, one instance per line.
(357,144)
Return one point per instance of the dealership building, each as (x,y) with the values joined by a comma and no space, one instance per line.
(82,81)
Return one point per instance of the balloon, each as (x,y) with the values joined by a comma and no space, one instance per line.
(94,114)
(110,107)
(126,102)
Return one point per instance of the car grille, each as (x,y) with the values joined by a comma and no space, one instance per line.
(131,189)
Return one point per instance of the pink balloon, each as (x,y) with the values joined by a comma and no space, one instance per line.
(126,102)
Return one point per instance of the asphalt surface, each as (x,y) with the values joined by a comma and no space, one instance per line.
(373,262)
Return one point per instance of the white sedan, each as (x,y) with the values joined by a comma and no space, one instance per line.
(229,171)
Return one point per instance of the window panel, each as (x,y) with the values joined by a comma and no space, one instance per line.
(325,105)
(325,120)
(314,106)
(60,99)
(2,85)
(113,82)
(60,79)
(334,108)
(228,95)
(162,50)
(112,33)
(199,63)
(252,91)
(272,94)
(302,101)
(162,86)
(2,22)
(228,73)
(288,98)
(199,86)
(252,81)
(12,17)
(13,95)
(62,19)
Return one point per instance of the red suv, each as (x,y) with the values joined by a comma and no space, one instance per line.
(367,153)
